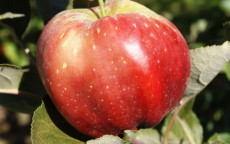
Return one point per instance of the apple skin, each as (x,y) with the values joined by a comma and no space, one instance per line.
(123,71)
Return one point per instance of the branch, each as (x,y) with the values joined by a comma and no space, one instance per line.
(19,92)
(175,115)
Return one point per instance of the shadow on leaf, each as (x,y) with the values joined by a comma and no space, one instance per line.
(61,123)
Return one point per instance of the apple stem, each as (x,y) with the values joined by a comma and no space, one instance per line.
(101,3)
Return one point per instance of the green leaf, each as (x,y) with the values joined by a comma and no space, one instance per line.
(187,107)
(15,55)
(183,128)
(206,63)
(11,94)
(219,138)
(227,70)
(49,127)
(107,139)
(143,136)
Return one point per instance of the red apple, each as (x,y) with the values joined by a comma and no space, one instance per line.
(108,74)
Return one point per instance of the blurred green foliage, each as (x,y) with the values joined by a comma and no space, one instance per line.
(200,22)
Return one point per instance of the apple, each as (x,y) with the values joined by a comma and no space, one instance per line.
(107,74)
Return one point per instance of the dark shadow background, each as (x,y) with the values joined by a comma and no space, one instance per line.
(200,22)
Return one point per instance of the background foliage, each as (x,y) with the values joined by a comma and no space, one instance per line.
(200,21)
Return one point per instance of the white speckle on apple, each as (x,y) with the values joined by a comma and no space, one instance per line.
(98,30)
(164,33)
(115,68)
(65,89)
(146,25)
(112,76)
(175,30)
(75,51)
(112,62)
(94,47)
(115,18)
(107,87)
(134,25)
(91,86)
(157,25)
(158,61)
(125,62)
(94,69)
(102,100)
(116,28)
(62,35)
(64,65)
(153,35)
(109,49)
(104,34)
(86,34)
(57,71)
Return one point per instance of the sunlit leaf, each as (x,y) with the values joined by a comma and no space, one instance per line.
(11,95)
(10,77)
(107,139)
(206,63)
(143,136)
